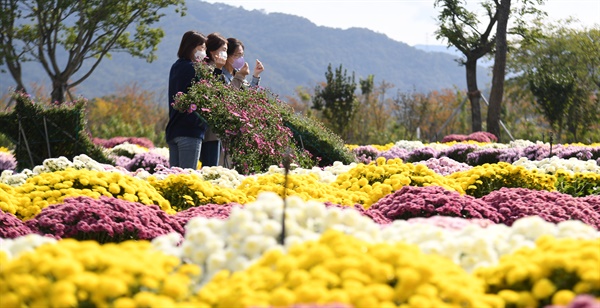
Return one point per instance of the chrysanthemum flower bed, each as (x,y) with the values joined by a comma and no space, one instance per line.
(518,232)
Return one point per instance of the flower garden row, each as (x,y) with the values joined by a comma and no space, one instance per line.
(383,234)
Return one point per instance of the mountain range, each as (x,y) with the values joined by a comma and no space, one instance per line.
(295,52)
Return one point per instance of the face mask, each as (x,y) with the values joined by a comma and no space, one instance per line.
(223,54)
(200,55)
(238,63)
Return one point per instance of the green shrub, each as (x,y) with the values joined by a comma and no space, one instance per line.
(48,131)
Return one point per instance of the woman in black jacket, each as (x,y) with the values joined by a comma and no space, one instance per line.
(185,131)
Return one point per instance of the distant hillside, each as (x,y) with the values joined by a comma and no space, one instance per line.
(295,52)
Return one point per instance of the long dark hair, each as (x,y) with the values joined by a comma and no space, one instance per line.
(189,42)
(214,42)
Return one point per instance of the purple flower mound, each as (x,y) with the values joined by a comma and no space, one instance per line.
(593,201)
(537,151)
(366,153)
(445,166)
(510,155)
(220,211)
(396,152)
(515,203)
(476,136)
(11,226)
(482,137)
(99,141)
(104,220)
(452,223)
(454,137)
(147,161)
(458,152)
(410,202)
(374,214)
(7,161)
(422,154)
(484,156)
(123,161)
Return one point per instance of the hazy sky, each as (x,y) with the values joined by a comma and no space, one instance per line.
(409,21)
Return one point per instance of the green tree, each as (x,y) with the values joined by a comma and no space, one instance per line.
(63,35)
(561,69)
(475,39)
(337,100)
(8,52)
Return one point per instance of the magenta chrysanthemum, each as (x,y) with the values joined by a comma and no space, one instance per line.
(104,220)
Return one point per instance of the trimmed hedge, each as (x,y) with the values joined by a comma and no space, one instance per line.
(48,131)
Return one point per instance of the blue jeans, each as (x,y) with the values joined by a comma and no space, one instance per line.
(184,152)
(210,153)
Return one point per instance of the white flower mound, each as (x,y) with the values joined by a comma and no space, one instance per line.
(553,164)
(51,165)
(326,175)
(14,247)
(474,246)
(250,231)
(130,148)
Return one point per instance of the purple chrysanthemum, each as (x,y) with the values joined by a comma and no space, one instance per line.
(147,161)
(11,226)
(7,161)
(104,220)
(411,201)
(515,203)
(221,211)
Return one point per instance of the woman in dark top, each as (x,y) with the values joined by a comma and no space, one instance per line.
(185,131)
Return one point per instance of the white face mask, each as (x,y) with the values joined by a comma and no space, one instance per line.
(223,54)
(200,55)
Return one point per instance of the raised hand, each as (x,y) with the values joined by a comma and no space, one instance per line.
(258,68)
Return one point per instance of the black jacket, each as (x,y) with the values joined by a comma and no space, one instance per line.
(182,124)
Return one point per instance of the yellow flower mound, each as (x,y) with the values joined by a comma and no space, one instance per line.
(481,180)
(551,273)
(49,188)
(385,147)
(188,190)
(8,202)
(381,178)
(342,269)
(306,186)
(87,274)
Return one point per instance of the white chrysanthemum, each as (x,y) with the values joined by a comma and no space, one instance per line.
(325,175)
(127,147)
(409,145)
(51,165)
(493,145)
(473,246)
(168,244)
(553,164)
(252,230)
(520,143)
(576,229)
(220,176)
(8,177)
(14,247)
(162,151)
(438,146)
